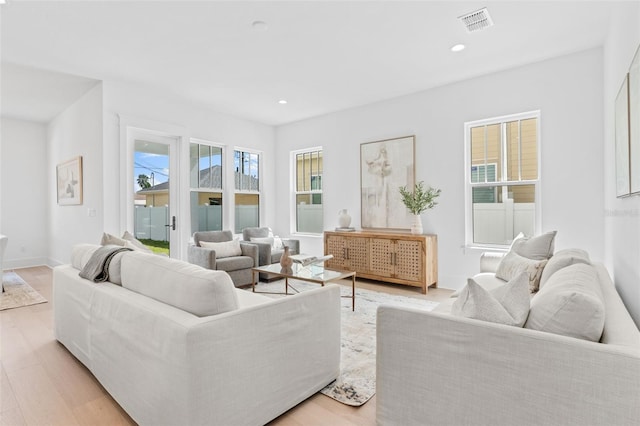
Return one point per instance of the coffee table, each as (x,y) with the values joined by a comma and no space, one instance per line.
(311,273)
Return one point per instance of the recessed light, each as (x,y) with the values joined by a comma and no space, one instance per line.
(457,48)
(259,25)
(282,102)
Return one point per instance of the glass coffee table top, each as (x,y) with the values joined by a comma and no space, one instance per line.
(311,273)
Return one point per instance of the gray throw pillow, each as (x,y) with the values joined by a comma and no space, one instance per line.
(513,265)
(538,248)
(507,305)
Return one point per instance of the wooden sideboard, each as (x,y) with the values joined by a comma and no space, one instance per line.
(392,257)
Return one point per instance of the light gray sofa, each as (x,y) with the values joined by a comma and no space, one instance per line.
(238,267)
(435,368)
(239,359)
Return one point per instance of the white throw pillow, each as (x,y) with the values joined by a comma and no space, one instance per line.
(268,240)
(111,239)
(137,245)
(538,248)
(513,264)
(277,243)
(225,248)
(193,289)
(507,305)
(570,304)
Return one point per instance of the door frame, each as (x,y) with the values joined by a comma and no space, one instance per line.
(132,129)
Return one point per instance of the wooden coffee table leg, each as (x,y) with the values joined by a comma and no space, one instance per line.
(353,292)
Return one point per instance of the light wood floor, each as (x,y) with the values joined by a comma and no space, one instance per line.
(43,384)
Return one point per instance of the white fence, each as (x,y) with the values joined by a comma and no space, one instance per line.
(500,223)
(206,218)
(150,223)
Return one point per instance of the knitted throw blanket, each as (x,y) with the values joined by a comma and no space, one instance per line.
(97,268)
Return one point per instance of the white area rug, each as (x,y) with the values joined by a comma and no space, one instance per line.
(357,381)
(17,293)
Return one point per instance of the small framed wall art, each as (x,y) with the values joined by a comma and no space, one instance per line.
(69,182)
(385,166)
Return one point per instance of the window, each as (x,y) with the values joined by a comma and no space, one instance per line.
(308,190)
(502,178)
(205,171)
(247,186)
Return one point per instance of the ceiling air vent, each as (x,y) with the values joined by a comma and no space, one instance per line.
(478,20)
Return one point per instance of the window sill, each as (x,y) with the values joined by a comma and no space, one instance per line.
(307,235)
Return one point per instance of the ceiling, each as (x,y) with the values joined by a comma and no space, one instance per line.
(320,56)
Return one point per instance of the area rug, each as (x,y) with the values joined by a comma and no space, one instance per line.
(17,293)
(357,381)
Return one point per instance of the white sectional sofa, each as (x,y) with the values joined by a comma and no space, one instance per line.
(243,360)
(435,368)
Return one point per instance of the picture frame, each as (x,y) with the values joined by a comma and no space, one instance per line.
(634,123)
(622,143)
(69,182)
(385,166)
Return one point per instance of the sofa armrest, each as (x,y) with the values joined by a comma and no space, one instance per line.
(278,353)
(489,261)
(264,253)
(294,245)
(474,372)
(201,256)
(251,250)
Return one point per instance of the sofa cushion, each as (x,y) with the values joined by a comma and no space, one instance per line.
(539,247)
(234,263)
(191,288)
(513,264)
(562,259)
(570,304)
(224,249)
(508,304)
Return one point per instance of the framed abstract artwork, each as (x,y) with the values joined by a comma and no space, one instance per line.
(69,182)
(634,123)
(622,140)
(385,166)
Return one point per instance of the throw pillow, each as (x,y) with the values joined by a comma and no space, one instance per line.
(513,264)
(538,248)
(268,240)
(507,305)
(562,259)
(135,242)
(277,243)
(225,248)
(111,239)
(570,304)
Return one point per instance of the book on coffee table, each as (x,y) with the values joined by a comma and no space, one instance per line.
(306,259)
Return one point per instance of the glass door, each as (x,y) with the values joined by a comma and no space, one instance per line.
(155,201)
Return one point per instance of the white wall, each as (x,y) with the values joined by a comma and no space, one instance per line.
(24,192)
(156,110)
(567,90)
(622,216)
(76,131)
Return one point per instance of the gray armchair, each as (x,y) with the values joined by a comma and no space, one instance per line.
(266,254)
(238,267)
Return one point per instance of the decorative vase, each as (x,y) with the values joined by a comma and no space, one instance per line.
(416,226)
(344,219)
(286,261)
